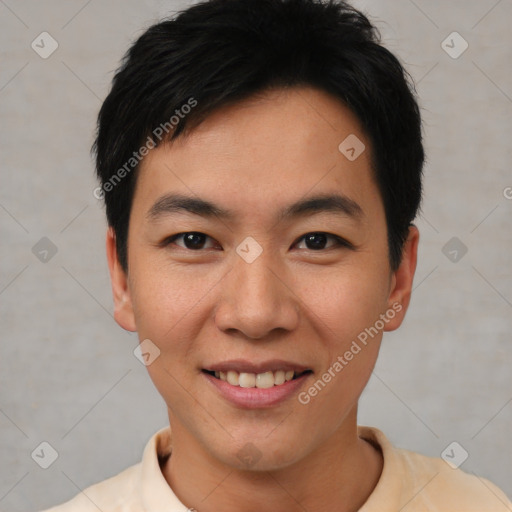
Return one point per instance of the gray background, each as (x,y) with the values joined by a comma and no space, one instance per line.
(68,375)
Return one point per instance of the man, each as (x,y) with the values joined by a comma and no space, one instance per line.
(261,164)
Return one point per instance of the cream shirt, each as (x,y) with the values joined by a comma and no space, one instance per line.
(409,482)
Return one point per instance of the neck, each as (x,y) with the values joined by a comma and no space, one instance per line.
(338,475)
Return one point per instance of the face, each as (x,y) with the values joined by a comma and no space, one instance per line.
(284,269)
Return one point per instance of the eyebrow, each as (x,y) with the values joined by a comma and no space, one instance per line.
(170,204)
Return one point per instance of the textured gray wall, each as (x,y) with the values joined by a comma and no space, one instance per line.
(67,371)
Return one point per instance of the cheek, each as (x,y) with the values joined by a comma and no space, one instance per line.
(166,307)
(160,300)
(343,312)
(345,300)
(172,304)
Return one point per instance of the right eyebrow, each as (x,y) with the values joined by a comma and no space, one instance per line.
(177,203)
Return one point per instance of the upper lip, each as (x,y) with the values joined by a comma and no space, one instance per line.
(244,366)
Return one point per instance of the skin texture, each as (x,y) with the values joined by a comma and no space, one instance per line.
(294,302)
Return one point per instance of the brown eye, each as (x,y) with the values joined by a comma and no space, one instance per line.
(192,240)
(317,241)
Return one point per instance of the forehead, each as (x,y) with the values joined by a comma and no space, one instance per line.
(264,152)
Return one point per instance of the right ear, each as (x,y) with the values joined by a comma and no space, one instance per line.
(123,307)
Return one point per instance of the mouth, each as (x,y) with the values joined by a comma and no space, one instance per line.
(263,380)
(248,384)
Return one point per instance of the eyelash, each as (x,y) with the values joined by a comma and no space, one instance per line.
(339,242)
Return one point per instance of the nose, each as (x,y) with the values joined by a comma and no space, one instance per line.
(257,298)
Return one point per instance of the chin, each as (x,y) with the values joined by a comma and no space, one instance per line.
(260,454)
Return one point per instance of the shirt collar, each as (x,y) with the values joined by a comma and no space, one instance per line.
(386,495)
(157,495)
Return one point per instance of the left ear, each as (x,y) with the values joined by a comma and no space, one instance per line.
(402,279)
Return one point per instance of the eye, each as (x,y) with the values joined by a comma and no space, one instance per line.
(316,241)
(192,240)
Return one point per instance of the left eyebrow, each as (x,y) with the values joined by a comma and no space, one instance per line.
(332,203)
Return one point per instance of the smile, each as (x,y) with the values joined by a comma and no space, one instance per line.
(263,380)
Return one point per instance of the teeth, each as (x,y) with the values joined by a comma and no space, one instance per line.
(265,380)
(256,380)
(233,378)
(279,377)
(247,380)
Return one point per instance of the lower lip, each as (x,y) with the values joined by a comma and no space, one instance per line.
(254,398)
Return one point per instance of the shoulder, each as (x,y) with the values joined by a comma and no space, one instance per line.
(130,489)
(112,494)
(411,482)
(435,485)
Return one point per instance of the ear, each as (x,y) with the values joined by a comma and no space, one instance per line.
(402,279)
(123,308)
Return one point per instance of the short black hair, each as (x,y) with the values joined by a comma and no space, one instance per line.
(220,52)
